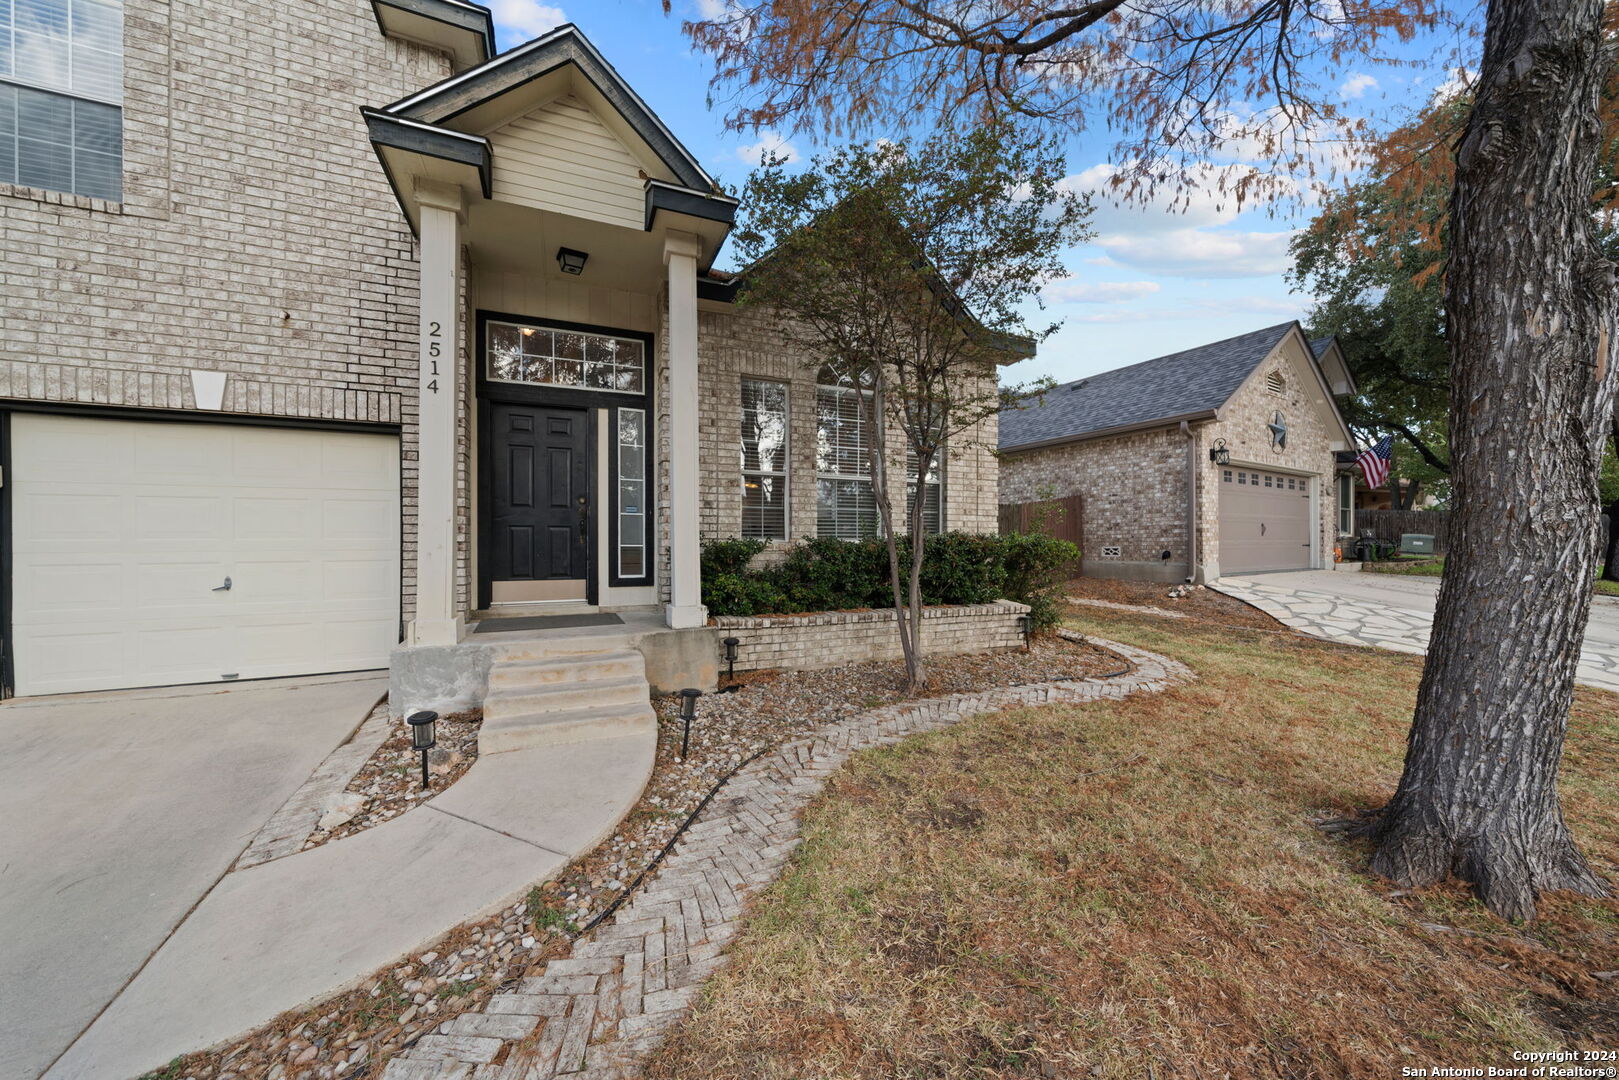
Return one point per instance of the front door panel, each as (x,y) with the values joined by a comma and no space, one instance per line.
(540,493)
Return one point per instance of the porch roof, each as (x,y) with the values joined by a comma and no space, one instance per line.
(443,133)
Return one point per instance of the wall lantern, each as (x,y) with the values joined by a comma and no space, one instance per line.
(688,713)
(1219,454)
(570,261)
(422,736)
(731,645)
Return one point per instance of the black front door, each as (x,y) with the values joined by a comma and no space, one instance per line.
(540,493)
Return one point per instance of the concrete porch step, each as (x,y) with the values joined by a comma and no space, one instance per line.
(524,729)
(554,697)
(576,668)
(560,644)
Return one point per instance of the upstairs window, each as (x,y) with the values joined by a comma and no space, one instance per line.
(61,95)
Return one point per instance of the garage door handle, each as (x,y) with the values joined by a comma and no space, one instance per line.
(1261,533)
(222,588)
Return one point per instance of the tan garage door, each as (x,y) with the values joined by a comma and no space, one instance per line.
(124,532)
(1264,521)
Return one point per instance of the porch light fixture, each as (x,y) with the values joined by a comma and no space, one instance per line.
(422,736)
(688,713)
(1219,454)
(570,261)
(730,644)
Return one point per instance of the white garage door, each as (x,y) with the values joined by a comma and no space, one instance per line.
(123,531)
(1264,521)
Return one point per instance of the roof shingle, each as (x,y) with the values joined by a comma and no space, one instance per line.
(1175,385)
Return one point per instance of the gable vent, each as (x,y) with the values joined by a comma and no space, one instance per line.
(1275,383)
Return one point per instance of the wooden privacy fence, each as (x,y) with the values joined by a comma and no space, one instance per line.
(1390,524)
(1060,518)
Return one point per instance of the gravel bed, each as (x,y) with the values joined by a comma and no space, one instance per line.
(391,781)
(352,1036)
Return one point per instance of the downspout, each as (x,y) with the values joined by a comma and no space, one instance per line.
(1191,501)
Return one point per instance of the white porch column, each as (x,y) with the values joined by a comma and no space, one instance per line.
(680,252)
(437,621)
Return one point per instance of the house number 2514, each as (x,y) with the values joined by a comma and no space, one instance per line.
(435,330)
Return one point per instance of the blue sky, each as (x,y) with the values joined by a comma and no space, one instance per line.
(1153,281)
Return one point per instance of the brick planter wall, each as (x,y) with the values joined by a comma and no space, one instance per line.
(831,638)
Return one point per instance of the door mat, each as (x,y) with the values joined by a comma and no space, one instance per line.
(546,622)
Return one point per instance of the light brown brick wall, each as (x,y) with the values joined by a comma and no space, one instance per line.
(835,638)
(257,234)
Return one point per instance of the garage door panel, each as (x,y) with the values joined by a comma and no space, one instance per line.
(168,454)
(275,518)
(362,469)
(74,660)
(358,517)
(67,517)
(114,574)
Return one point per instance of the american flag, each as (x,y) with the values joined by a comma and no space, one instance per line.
(1374,461)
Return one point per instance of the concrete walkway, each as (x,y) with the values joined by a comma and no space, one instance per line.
(282,934)
(121,811)
(1392,611)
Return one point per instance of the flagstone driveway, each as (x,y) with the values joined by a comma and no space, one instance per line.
(1395,612)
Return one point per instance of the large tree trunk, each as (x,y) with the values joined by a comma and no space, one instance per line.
(1528,303)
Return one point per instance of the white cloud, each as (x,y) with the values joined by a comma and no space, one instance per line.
(526,19)
(1202,253)
(1099,292)
(1201,310)
(1184,233)
(769,142)
(1357,85)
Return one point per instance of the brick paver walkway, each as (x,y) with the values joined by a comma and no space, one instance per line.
(594,1014)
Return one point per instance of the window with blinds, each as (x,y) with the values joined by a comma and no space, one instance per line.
(61,95)
(845,506)
(933,504)
(764,459)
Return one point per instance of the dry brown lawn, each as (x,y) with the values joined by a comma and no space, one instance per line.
(1137,890)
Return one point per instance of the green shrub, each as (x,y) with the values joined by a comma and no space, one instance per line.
(751,593)
(820,574)
(729,556)
(1035,567)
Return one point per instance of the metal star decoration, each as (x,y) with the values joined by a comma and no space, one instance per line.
(1278,433)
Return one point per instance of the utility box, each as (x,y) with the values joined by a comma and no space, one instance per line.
(1416,544)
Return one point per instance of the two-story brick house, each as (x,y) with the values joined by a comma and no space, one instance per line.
(327,332)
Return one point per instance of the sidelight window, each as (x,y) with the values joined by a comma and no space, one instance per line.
(632,493)
(547,356)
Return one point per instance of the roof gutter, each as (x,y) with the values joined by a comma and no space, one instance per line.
(1122,429)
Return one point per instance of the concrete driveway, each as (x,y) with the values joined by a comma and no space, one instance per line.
(119,812)
(1396,612)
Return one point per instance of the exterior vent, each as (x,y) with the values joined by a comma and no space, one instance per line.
(1275,383)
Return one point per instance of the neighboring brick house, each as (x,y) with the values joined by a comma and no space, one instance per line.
(290,375)
(1139,445)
